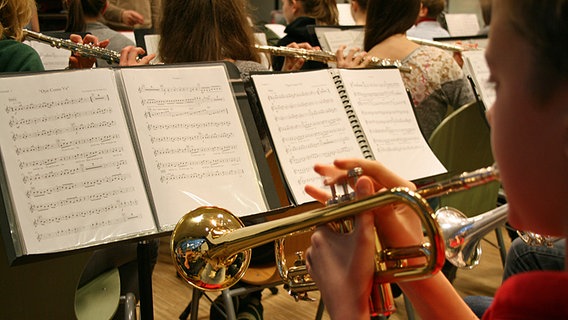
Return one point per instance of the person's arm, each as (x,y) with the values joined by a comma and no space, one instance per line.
(116,14)
(436,298)
(397,226)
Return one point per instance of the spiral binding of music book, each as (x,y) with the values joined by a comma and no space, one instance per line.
(352,116)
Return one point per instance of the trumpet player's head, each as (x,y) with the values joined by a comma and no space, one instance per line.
(14,16)
(528,62)
(387,17)
(206,30)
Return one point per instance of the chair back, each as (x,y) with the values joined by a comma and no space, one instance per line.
(462,143)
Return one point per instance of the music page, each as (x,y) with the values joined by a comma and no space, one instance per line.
(307,123)
(193,143)
(72,174)
(383,108)
(477,67)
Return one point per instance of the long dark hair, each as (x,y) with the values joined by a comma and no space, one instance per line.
(206,30)
(77,10)
(388,17)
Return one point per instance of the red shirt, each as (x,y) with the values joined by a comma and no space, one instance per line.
(531,295)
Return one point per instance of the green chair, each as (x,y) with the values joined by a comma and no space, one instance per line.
(99,299)
(462,143)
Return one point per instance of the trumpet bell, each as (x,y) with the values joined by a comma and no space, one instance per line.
(190,244)
(460,250)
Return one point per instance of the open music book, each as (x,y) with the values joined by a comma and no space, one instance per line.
(96,156)
(318,116)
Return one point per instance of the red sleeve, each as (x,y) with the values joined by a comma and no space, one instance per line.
(531,295)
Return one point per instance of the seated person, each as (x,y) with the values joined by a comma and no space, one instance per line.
(427,26)
(523,257)
(299,15)
(84,15)
(436,80)
(530,110)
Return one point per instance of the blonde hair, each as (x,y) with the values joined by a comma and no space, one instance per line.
(324,11)
(14,16)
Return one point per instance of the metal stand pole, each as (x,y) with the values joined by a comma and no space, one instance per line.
(145,280)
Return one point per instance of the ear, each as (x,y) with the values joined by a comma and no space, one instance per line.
(104,8)
(423,11)
(295,5)
(354,6)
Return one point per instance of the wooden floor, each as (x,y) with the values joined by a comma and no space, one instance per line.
(171,294)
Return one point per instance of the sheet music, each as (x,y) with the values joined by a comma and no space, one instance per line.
(307,123)
(462,24)
(277,28)
(51,57)
(69,161)
(152,42)
(385,113)
(193,143)
(479,70)
(350,38)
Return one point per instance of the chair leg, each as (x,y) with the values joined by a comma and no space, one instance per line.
(501,244)
(409,308)
(321,308)
(195,303)
(129,301)
(229,306)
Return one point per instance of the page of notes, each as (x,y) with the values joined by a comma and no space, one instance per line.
(477,67)
(462,24)
(52,58)
(383,108)
(350,38)
(71,169)
(193,142)
(307,123)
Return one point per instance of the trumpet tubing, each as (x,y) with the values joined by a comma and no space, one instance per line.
(85,50)
(210,249)
(326,56)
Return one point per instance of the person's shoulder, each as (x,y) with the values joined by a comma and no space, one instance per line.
(11,45)
(531,295)
(17,56)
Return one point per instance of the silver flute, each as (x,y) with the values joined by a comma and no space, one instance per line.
(326,56)
(438,44)
(85,50)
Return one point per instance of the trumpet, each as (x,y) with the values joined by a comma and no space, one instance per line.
(210,247)
(85,50)
(326,56)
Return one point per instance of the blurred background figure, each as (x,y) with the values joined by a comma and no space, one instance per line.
(437,83)
(84,15)
(427,24)
(131,14)
(16,56)
(300,14)
(359,11)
